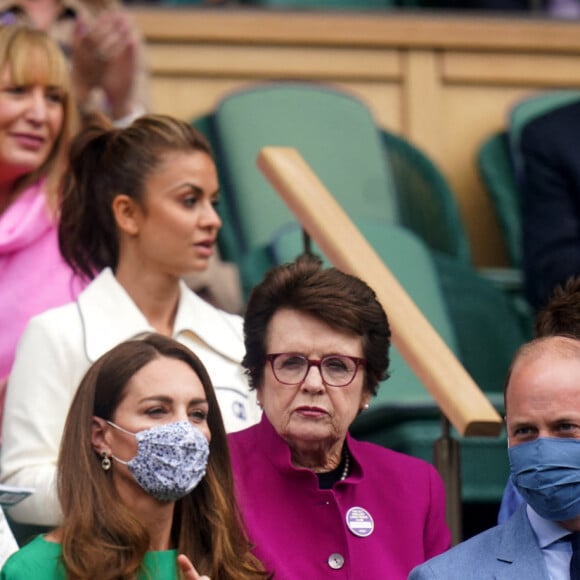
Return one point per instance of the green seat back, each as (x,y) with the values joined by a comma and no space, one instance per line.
(427,205)
(488,326)
(496,170)
(228,235)
(333,131)
(251,265)
(484,460)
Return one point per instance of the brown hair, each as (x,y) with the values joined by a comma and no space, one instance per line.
(342,301)
(104,162)
(101,538)
(34,58)
(561,316)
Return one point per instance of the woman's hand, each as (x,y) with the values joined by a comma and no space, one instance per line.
(105,55)
(189,572)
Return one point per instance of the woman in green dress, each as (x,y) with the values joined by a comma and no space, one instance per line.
(144,477)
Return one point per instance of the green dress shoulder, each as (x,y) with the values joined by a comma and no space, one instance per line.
(40,560)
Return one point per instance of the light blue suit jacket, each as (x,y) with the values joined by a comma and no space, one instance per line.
(504,552)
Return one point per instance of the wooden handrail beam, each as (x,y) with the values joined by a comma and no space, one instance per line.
(457,395)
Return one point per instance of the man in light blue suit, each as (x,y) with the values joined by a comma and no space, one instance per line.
(543,423)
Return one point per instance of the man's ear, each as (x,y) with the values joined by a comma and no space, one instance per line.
(99,439)
(126,212)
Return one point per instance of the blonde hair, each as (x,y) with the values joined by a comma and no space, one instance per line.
(32,57)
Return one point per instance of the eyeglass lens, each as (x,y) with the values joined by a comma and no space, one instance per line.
(336,370)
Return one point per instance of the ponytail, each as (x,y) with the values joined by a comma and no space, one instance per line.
(87,232)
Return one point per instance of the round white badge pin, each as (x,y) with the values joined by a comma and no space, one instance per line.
(360,522)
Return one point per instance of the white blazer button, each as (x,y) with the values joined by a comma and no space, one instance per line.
(336,561)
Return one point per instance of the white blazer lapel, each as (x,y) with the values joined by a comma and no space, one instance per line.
(221,331)
(108,315)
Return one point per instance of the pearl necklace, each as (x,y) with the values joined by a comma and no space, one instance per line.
(346,465)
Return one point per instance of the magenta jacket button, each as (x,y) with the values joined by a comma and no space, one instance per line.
(336,561)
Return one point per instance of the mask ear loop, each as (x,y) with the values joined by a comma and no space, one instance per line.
(116,458)
(119,428)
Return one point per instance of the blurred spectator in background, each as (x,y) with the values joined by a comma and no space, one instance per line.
(103,45)
(550,186)
(37,121)
(503,5)
(564,8)
(556,8)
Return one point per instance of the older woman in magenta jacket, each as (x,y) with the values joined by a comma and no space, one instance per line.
(316,502)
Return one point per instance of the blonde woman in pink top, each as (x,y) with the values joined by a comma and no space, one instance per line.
(37,120)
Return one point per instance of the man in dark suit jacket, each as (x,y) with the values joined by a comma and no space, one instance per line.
(542,402)
(550,185)
(509,5)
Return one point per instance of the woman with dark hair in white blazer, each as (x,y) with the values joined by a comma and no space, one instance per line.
(138,213)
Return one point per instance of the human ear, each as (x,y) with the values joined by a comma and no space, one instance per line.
(259,393)
(99,439)
(125,210)
(365,401)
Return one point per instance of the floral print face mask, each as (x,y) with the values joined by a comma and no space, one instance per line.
(171,459)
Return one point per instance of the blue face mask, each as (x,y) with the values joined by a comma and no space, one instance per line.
(546,472)
(171,459)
